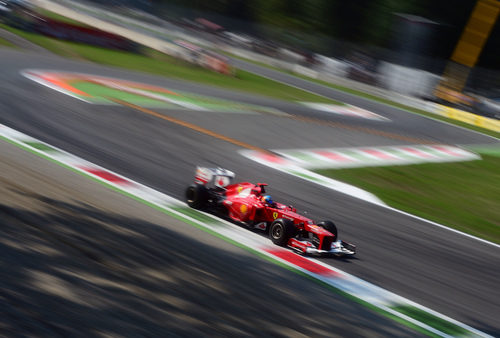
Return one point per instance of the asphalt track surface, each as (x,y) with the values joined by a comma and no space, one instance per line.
(444,271)
(91,262)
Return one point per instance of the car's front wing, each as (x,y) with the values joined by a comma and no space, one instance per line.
(338,248)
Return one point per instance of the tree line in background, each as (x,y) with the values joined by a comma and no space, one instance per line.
(307,24)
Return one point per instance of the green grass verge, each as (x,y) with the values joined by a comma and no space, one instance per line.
(461,195)
(493,150)
(154,62)
(6,43)
(431,320)
(195,214)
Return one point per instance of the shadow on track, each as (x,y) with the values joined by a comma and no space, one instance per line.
(75,270)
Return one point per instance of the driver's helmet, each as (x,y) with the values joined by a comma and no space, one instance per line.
(267,199)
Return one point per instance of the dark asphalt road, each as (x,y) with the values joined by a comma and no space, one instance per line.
(449,273)
(80,260)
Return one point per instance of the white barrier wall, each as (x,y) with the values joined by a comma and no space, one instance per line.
(407,81)
(332,66)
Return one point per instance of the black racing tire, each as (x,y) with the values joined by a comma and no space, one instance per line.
(329,226)
(281,231)
(197,196)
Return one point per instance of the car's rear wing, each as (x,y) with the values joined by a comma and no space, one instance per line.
(216,177)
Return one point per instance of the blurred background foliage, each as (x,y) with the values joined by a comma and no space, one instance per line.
(307,24)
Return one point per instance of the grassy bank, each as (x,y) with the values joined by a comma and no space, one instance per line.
(151,61)
(462,195)
(6,43)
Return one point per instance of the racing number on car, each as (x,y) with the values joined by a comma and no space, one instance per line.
(275,215)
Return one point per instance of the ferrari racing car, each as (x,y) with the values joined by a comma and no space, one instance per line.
(248,204)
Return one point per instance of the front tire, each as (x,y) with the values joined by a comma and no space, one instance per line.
(281,231)
(197,196)
(329,226)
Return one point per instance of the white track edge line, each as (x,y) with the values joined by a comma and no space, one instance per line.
(373,201)
(234,227)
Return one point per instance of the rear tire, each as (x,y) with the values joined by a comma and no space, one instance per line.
(197,196)
(281,231)
(329,226)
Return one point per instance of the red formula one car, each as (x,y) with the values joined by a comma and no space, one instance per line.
(248,203)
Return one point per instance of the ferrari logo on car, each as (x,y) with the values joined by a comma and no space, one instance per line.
(275,215)
(243,208)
